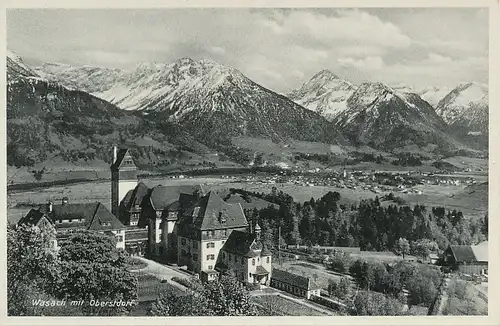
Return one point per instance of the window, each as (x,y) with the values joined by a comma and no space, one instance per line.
(253,262)
(183,241)
(212,233)
(230,257)
(119,238)
(210,267)
(224,232)
(267,260)
(223,255)
(242,261)
(210,245)
(210,257)
(249,274)
(195,245)
(258,259)
(195,257)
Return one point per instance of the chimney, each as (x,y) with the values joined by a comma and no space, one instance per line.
(64,201)
(115,154)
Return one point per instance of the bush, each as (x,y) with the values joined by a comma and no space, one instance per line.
(183,281)
(339,289)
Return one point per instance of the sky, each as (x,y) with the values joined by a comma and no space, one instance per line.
(277,48)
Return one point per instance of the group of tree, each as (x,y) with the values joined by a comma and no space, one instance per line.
(367,225)
(87,266)
(223,297)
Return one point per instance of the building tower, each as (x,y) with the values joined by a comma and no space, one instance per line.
(123,177)
(257,230)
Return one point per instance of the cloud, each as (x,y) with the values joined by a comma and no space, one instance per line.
(353,27)
(217,50)
(438,59)
(368,63)
(277,48)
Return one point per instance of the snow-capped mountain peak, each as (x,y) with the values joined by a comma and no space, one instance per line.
(466,105)
(325,93)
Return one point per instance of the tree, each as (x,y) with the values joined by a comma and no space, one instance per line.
(375,304)
(402,247)
(223,297)
(32,267)
(92,268)
(340,261)
(339,288)
(423,247)
(421,291)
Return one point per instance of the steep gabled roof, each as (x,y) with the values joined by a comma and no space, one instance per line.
(33,217)
(94,216)
(299,281)
(242,243)
(211,212)
(463,253)
(481,251)
(135,196)
(163,196)
(123,160)
(103,219)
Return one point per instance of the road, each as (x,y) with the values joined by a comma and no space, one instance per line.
(444,297)
(162,272)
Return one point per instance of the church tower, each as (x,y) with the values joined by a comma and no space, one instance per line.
(123,177)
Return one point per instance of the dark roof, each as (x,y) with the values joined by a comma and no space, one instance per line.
(32,218)
(95,216)
(163,196)
(104,220)
(242,243)
(253,202)
(265,251)
(261,271)
(293,279)
(123,160)
(135,196)
(463,253)
(211,212)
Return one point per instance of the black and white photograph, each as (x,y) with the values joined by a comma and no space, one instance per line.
(247,161)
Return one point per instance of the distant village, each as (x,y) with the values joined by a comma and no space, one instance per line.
(205,233)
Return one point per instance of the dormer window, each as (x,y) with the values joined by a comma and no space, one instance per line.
(222,218)
(106,224)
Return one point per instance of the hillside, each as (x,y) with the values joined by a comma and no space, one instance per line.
(49,125)
(382,118)
(211,101)
(325,93)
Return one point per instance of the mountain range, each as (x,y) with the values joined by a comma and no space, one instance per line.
(197,107)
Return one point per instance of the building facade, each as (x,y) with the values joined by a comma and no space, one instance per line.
(467,259)
(202,231)
(79,216)
(294,284)
(245,254)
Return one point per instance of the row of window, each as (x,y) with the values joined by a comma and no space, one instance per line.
(213,233)
(289,288)
(70,220)
(242,259)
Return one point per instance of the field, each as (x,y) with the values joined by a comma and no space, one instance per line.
(279,306)
(471,201)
